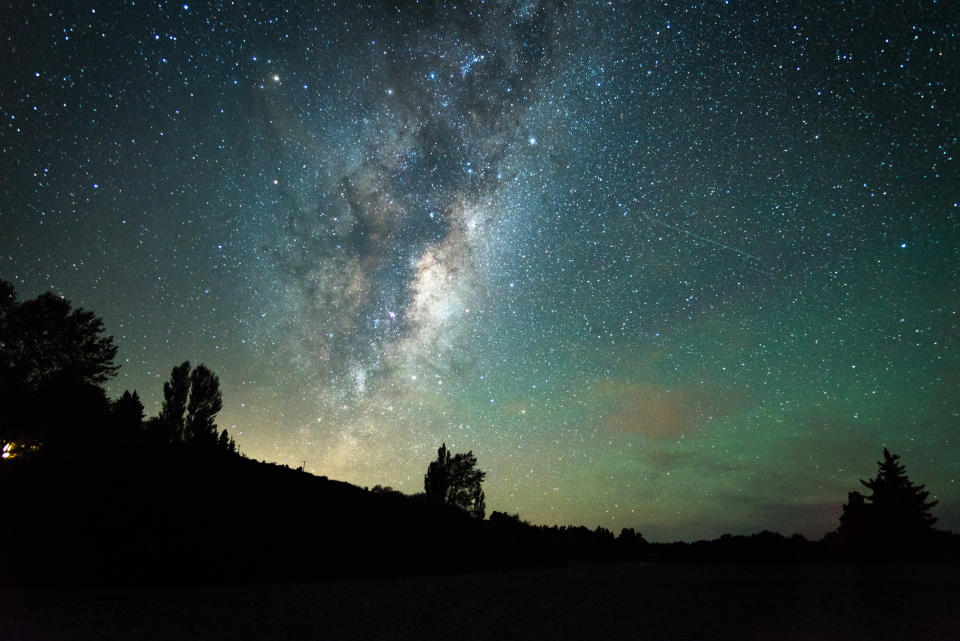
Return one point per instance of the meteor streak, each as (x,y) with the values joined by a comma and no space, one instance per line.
(702,238)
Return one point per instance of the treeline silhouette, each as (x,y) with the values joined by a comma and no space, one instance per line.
(93,491)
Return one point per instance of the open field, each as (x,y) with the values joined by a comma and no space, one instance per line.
(581,602)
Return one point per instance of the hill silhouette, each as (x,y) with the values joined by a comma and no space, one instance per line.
(182,515)
(93,493)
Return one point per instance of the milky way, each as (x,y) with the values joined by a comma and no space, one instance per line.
(388,246)
(683,268)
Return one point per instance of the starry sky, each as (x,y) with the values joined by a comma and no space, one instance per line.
(682,267)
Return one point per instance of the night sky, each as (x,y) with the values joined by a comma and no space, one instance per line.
(684,268)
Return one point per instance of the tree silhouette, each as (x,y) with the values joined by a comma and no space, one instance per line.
(170,423)
(191,401)
(855,522)
(897,500)
(53,360)
(629,536)
(226,442)
(479,503)
(205,402)
(455,480)
(45,339)
(896,512)
(128,411)
(436,483)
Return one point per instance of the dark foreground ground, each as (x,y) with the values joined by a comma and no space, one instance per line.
(583,602)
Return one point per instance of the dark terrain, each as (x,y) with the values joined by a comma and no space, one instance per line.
(622,601)
(120,528)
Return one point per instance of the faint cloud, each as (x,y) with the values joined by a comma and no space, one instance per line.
(660,412)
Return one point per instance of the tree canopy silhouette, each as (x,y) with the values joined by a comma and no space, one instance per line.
(896,511)
(53,361)
(455,480)
(44,339)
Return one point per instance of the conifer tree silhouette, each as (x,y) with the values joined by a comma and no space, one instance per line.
(896,512)
(128,411)
(899,503)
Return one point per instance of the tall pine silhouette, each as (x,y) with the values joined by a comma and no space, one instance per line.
(900,504)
